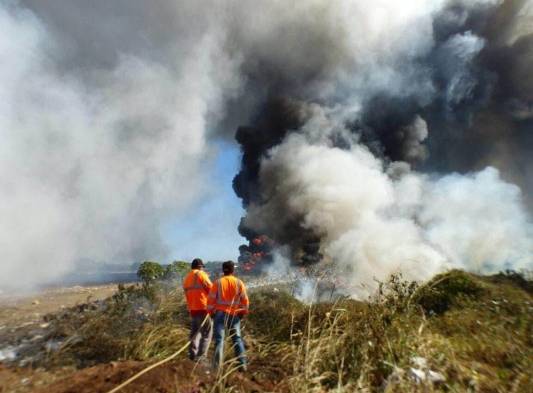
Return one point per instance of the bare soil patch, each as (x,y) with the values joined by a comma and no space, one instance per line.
(25,309)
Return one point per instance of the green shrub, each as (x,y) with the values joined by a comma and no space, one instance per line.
(512,277)
(150,271)
(445,290)
(274,313)
(126,295)
(176,270)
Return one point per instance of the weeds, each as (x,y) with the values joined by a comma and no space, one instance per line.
(476,332)
(445,290)
(138,322)
(452,323)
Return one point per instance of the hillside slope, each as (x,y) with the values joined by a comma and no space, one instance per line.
(459,332)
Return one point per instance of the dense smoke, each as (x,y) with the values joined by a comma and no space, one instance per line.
(104,113)
(346,160)
(370,131)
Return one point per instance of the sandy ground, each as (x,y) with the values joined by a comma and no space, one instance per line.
(26,309)
(23,313)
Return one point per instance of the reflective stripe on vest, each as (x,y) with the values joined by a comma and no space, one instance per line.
(237,295)
(195,283)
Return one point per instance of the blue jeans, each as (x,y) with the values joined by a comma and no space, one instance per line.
(223,321)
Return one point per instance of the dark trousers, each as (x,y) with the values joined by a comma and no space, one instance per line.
(201,331)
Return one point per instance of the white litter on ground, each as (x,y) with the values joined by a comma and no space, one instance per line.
(422,373)
(8,353)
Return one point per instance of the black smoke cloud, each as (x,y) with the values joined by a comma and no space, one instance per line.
(492,127)
(461,103)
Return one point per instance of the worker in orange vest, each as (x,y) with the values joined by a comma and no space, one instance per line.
(196,286)
(228,303)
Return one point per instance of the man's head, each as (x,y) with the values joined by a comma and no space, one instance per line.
(228,268)
(197,263)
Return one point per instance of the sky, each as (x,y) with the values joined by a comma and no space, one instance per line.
(208,229)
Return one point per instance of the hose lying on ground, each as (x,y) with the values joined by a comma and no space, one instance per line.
(151,367)
(144,371)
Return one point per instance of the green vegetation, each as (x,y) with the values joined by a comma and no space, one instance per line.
(475,332)
(149,272)
(445,290)
(176,270)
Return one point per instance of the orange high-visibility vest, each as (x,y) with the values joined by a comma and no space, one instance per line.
(228,294)
(196,286)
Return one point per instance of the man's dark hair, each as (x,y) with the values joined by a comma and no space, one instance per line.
(197,263)
(228,267)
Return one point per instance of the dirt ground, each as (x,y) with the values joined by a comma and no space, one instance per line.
(179,376)
(23,313)
(26,309)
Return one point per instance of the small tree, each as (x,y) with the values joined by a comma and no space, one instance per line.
(176,270)
(150,271)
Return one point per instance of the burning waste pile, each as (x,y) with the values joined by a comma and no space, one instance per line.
(256,253)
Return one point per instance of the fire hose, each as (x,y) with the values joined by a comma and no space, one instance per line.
(155,365)
(151,367)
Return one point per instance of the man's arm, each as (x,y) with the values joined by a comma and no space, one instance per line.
(244,302)
(211,298)
(206,282)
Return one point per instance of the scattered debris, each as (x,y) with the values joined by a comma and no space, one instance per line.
(417,374)
(422,372)
(53,345)
(420,362)
(8,354)
(436,377)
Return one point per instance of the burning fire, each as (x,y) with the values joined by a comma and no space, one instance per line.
(256,253)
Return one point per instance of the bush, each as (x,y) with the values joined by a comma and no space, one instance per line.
(128,295)
(521,280)
(445,290)
(149,272)
(176,270)
(273,313)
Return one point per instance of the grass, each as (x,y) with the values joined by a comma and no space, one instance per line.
(477,332)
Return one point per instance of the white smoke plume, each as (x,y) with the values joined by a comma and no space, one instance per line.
(93,157)
(372,224)
(374,216)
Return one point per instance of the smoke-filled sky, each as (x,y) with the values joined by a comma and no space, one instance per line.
(394,135)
